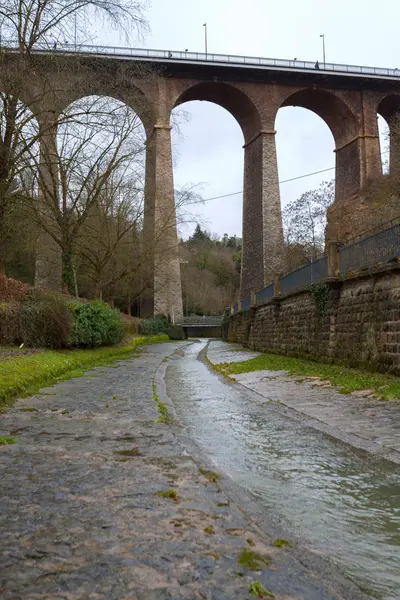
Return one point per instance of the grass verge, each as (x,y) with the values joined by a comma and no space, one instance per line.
(25,375)
(347,379)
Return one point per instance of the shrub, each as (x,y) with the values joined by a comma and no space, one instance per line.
(9,323)
(94,324)
(131,324)
(158,324)
(44,322)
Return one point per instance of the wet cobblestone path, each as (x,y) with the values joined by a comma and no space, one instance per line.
(80,514)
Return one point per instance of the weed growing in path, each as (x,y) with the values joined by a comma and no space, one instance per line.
(281,543)
(4,441)
(254,561)
(210,475)
(162,408)
(259,591)
(209,529)
(170,494)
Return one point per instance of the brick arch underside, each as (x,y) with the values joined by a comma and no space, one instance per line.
(234,100)
(130,95)
(333,111)
(389,107)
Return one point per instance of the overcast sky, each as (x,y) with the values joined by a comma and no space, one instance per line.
(209,151)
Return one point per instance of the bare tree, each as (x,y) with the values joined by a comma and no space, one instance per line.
(109,247)
(25,26)
(32,23)
(99,144)
(304,223)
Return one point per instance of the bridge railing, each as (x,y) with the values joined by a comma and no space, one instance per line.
(201,57)
(202,321)
(370,250)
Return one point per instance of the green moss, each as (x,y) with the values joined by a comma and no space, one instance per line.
(4,440)
(65,412)
(210,475)
(222,504)
(348,379)
(254,561)
(25,375)
(209,529)
(250,542)
(28,409)
(132,452)
(170,494)
(281,543)
(259,591)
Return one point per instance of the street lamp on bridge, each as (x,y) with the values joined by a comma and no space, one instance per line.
(205,37)
(323,46)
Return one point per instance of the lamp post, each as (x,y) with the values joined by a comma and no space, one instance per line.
(205,37)
(323,46)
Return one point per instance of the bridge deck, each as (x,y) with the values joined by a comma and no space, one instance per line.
(217,60)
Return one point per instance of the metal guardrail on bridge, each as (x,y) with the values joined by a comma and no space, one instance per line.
(125,53)
(202,321)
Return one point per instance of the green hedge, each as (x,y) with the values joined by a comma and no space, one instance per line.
(54,322)
(159,324)
(94,324)
(45,322)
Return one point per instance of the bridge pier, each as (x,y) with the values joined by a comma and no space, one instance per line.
(162,270)
(48,264)
(263,246)
(358,161)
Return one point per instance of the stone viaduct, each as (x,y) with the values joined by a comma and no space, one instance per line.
(153,83)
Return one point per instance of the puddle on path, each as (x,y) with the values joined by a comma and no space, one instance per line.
(337,500)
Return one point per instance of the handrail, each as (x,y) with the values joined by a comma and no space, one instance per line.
(200,57)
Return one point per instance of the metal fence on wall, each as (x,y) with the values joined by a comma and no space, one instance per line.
(367,251)
(380,247)
(265,293)
(313,272)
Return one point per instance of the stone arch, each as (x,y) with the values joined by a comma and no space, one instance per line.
(332,109)
(345,127)
(130,95)
(230,97)
(389,109)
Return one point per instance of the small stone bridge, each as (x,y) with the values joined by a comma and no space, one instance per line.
(202,326)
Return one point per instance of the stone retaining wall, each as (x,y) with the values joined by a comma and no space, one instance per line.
(357,321)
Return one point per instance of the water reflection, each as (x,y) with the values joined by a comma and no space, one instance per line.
(338,500)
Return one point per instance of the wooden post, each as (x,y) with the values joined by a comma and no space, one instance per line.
(253,297)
